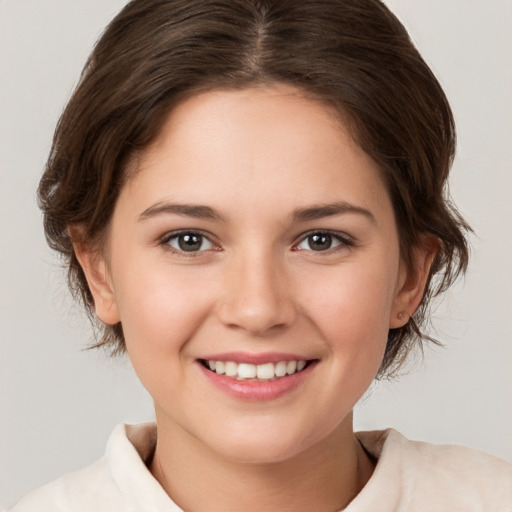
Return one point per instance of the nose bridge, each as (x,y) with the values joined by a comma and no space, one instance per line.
(256,295)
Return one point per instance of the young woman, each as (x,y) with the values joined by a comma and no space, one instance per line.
(250,196)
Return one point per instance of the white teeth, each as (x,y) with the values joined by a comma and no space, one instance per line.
(280,369)
(231,369)
(291,366)
(266,371)
(246,371)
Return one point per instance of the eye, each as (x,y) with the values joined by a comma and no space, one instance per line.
(322,241)
(188,241)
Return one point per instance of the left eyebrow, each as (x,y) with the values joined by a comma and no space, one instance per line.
(195,211)
(320,211)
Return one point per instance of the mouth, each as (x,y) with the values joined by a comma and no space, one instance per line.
(265,372)
(257,377)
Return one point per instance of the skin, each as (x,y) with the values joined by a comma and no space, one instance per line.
(255,157)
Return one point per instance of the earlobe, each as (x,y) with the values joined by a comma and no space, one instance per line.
(412,285)
(98,278)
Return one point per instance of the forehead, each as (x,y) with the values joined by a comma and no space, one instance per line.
(247,146)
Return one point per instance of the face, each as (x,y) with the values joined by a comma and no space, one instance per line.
(253,261)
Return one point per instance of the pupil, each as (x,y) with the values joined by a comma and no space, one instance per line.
(190,242)
(320,242)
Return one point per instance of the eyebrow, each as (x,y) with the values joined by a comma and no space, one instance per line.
(320,211)
(186,210)
(309,213)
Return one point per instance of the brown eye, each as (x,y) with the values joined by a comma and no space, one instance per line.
(189,242)
(320,242)
(323,241)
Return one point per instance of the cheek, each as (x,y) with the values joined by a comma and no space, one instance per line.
(351,307)
(160,307)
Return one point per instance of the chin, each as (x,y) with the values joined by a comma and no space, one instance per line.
(260,447)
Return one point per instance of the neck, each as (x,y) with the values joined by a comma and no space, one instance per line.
(326,476)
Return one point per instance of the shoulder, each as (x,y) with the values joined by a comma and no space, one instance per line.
(75,491)
(439,477)
(118,481)
(452,466)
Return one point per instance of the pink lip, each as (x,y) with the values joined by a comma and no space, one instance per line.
(247,357)
(257,391)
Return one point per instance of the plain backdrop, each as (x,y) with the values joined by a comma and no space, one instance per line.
(59,403)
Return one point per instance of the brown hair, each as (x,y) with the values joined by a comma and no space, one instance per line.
(351,54)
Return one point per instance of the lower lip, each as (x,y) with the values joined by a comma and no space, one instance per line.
(258,391)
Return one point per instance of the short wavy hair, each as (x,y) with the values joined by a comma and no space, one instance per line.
(353,55)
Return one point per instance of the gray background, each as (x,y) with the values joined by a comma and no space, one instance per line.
(58,404)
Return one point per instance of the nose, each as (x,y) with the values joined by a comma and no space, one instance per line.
(257,297)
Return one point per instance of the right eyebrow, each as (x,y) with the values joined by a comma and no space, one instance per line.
(320,211)
(196,211)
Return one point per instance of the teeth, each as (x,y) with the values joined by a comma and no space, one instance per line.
(231,369)
(280,369)
(247,371)
(266,371)
(220,367)
(291,366)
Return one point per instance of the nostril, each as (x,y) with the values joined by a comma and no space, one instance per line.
(256,317)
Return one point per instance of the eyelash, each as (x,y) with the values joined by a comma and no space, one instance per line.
(344,241)
(165,242)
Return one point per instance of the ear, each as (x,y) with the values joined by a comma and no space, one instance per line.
(412,284)
(98,278)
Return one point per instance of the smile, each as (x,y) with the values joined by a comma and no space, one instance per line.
(252,372)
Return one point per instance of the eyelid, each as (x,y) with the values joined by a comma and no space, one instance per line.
(345,240)
(165,239)
(342,237)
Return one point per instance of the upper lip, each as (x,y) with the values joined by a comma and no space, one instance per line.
(252,358)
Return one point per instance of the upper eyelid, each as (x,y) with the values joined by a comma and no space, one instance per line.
(345,242)
(172,234)
(164,242)
(345,237)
